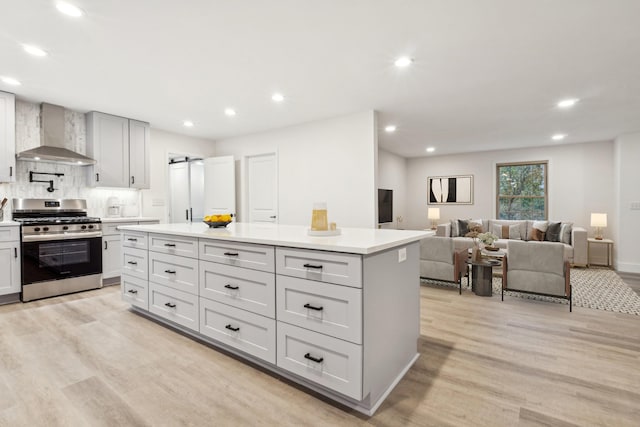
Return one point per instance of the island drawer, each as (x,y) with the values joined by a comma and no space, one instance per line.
(250,290)
(330,362)
(135,262)
(342,269)
(174,271)
(172,304)
(135,291)
(247,255)
(109,228)
(135,239)
(249,332)
(10,234)
(174,245)
(326,308)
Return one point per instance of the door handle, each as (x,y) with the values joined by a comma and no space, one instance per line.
(97,177)
(191,212)
(106,245)
(10,170)
(186,212)
(15,252)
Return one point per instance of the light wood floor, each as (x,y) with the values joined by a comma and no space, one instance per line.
(86,360)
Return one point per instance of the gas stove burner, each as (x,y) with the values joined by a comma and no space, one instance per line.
(59,220)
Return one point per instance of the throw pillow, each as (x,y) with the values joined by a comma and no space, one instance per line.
(455,231)
(536,234)
(507,231)
(463,227)
(565,232)
(553,232)
(541,225)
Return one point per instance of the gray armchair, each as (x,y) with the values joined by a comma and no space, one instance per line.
(537,268)
(440,260)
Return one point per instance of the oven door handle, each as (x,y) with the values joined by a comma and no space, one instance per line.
(64,236)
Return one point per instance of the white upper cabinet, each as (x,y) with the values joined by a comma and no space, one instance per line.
(7,137)
(120,147)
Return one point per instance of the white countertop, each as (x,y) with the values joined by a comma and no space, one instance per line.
(128,219)
(352,240)
(9,223)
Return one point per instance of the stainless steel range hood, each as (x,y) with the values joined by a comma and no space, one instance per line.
(51,147)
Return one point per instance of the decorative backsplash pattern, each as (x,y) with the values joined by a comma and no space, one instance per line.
(73,185)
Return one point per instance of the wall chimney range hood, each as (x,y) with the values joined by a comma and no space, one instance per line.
(51,147)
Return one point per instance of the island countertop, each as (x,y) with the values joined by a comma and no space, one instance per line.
(362,241)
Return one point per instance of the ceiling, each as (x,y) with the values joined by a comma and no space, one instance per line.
(486,73)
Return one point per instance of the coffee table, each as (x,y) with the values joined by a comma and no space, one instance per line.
(482,275)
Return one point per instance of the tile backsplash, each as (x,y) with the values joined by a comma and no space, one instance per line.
(73,185)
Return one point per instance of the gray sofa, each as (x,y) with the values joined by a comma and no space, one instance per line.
(573,238)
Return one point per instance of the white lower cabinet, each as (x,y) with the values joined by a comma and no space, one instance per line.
(176,271)
(249,332)
(10,268)
(172,304)
(135,262)
(135,291)
(328,361)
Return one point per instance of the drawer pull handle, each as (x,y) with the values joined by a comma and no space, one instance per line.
(170,305)
(231,253)
(132,262)
(132,291)
(310,307)
(319,267)
(170,245)
(132,239)
(170,271)
(231,328)
(235,288)
(314,359)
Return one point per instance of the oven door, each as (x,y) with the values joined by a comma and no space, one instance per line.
(60,259)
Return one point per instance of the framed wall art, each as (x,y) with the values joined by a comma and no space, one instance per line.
(448,190)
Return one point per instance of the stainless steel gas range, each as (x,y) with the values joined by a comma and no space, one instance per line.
(61,247)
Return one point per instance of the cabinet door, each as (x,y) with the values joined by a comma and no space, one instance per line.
(108,144)
(10,267)
(139,147)
(7,137)
(111,253)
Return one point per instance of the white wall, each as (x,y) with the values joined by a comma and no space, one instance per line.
(627,179)
(330,160)
(155,201)
(580,182)
(392,175)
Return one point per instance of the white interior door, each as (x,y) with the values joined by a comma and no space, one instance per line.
(220,185)
(196,190)
(179,192)
(262,188)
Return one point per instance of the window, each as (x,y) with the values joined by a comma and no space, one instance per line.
(522,190)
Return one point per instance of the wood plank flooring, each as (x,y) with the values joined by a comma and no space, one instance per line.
(86,360)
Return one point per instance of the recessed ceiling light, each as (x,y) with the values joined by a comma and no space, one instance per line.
(36,158)
(559,136)
(277,97)
(34,50)
(230,111)
(390,128)
(188,123)
(79,162)
(69,9)
(11,81)
(430,149)
(567,103)
(404,61)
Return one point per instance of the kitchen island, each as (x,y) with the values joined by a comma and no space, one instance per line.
(339,315)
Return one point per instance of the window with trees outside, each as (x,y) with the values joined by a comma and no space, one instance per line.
(522,190)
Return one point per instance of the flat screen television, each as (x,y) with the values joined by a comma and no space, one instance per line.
(385,206)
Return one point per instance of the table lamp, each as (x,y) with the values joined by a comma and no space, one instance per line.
(434,215)
(598,220)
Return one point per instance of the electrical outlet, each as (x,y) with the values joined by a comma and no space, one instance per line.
(635,206)
(402,255)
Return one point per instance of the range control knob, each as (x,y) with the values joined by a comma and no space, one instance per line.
(65,227)
(84,227)
(45,229)
(36,229)
(90,227)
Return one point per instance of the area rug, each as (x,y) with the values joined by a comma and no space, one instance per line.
(597,288)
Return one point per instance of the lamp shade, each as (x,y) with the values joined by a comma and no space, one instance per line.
(598,219)
(433,213)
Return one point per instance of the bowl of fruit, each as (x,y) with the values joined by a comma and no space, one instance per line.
(215,221)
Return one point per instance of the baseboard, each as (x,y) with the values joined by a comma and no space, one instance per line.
(628,267)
